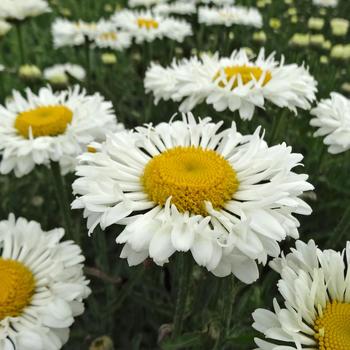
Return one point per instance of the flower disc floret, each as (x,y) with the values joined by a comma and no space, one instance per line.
(332,327)
(108,36)
(16,288)
(246,73)
(147,23)
(190,176)
(44,121)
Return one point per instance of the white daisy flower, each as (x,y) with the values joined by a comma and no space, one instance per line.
(332,117)
(103,33)
(37,129)
(146,26)
(4,27)
(325,3)
(235,83)
(20,10)
(217,2)
(59,73)
(145,3)
(107,36)
(186,186)
(315,286)
(230,15)
(68,33)
(42,286)
(178,7)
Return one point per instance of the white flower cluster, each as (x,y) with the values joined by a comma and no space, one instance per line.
(230,15)
(148,26)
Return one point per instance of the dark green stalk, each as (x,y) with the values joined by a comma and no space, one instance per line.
(88,63)
(227,300)
(183,271)
(124,293)
(63,201)
(341,229)
(19,33)
(278,120)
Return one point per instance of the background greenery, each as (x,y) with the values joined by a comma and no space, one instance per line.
(135,306)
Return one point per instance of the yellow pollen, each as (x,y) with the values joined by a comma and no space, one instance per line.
(16,288)
(44,121)
(332,329)
(191,176)
(247,74)
(109,36)
(91,149)
(85,26)
(147,23)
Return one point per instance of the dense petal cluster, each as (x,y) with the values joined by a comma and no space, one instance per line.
(216,2)
(148,26)
(107,36)
(230,15)
(145,3)
(325,3)
(61,72)
(88,118)
(103,34)
(52,271)
(20,10)
(146,179)
(178,7)
(235,83)
(332,117)
(68,33)
(316,291)
(4,27)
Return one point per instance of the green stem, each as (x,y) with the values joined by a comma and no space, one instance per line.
(199,36)
(183,271)
(322,159)
(18,26)
(63,201)
(342,228)
(124,293)
(277,122)
(227,300)
(88,63)
(102,262)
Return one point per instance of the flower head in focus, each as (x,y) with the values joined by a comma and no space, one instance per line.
(42,286)
(188,186)
(37,129)
(315,287)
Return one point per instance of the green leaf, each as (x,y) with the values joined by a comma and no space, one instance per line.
(183,342)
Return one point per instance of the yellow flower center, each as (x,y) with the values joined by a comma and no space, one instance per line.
(191,176)
(44,121)
(147,23)
(16,288)
(108,36)
(333,327)
(247,74)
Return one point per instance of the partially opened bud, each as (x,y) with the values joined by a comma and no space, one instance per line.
(102,343)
